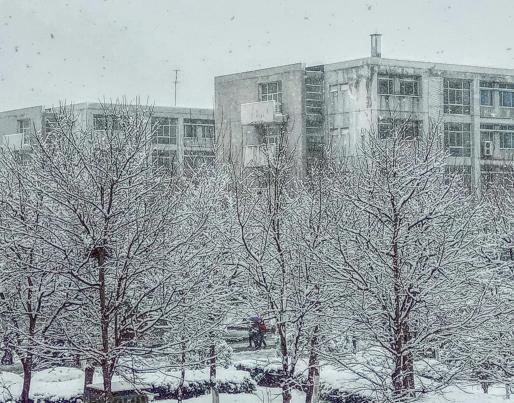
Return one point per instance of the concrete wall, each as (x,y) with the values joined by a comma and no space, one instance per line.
(84,113)
(360,108)
(233,90)
(349,113)
(9,119)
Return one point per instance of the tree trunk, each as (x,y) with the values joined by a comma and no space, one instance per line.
(286,381)
(89,373)
(100,254)
(312,392)
(76,360)
(507,391)
(212,375)
(403,373)
(180,392)
(27,377)
(7,358)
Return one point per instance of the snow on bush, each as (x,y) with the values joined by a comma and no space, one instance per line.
(10,386)
(336,386)
(229,380)
(63,384)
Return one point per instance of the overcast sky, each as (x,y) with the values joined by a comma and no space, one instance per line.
(88,50)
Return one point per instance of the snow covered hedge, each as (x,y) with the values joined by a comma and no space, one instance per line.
(332,389)
(229,380)
(64,385)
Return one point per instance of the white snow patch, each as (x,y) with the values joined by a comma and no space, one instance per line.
(262,395)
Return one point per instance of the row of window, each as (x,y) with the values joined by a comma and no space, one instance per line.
(168,160)
(405,128)
(490,174)
(407,86)
(165,129)
(505,133)
(457,136)
(25,127)
(506,93)
(456,92)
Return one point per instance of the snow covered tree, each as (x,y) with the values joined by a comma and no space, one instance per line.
(194,332)
(32,294)
(401,257)
(268,240)
(125,233)
(490,348)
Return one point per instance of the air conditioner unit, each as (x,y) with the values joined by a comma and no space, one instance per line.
(488,148)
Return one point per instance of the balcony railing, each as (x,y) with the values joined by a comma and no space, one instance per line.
(259,155)
(255,113)
(16,141)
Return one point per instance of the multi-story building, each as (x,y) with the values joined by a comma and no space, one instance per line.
(332,106)
(181,137)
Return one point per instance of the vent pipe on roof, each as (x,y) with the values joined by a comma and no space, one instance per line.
(376,50)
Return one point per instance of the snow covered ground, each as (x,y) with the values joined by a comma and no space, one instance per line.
(62,383)
(467,394)
(470,394)
(263,395)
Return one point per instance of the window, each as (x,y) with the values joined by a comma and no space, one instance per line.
(493,174)
(385,86)
(461,174)
(507,140)
(409,86)
(406,129)
(457,139)
(410,129)
(486,97)
(199,132)
(99,122)
(507,97)
(106,122)
(164,130)
(51,126)
(316,142)
(487,84)
(385,127)
(271,92)
(197,158)
(334,92)
(164,159)
(24,127)
(456,96)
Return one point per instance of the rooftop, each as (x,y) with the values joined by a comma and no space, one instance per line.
(372,61)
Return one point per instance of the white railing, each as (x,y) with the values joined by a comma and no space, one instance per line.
(260,112)
(14,141)
(259,155)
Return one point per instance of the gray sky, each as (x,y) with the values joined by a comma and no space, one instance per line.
(88,50)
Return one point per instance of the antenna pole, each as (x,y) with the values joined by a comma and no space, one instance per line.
(175,84)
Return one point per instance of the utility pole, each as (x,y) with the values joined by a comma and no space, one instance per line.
(175,83)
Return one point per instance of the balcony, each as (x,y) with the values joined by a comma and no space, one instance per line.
(258,155)
(256,113)
(16,141)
